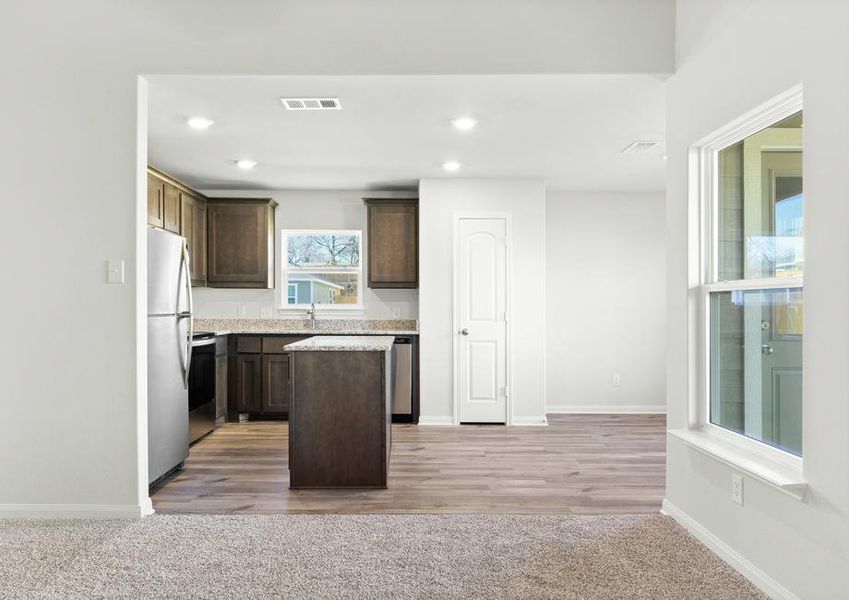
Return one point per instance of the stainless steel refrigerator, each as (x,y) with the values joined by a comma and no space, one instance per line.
(169,351)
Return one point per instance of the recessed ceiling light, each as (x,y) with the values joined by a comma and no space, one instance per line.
(199,123)
(246,164)
(464,123)
(451,165)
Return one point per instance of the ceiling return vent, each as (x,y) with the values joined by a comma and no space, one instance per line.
(639,147)
(311,103)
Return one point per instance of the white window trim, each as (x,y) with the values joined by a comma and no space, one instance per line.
(760,460)
(282,296)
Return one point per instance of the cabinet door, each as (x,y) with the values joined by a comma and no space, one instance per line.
(187,226)
(249,367)
(155,201)
(220,388)
(198,245)
(193,228)
(241,242)
(275,383)
(393,245)
(171,210)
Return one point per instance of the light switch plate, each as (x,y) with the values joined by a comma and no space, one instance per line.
(114,271)
(616,380)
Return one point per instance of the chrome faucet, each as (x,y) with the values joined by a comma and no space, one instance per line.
(311,313)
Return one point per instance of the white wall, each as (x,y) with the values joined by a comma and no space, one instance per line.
(765,48)
(73,440)
(524,201)
(606,301)
(309,209)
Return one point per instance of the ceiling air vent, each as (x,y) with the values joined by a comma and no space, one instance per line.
(643,146)
(311,103)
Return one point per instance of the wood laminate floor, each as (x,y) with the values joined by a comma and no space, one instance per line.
(589,464)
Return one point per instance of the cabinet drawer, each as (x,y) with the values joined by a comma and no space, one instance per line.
(275,344)
(249,344)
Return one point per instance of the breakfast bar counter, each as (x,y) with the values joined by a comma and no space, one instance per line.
(340,412)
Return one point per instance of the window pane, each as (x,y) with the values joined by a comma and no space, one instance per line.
(756,365)
(323,249)
(322,288)
(761,226)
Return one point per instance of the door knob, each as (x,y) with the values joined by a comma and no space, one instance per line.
(464,331)
(766,349)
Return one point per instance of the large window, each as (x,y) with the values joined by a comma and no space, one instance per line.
(752,284)
(322,268)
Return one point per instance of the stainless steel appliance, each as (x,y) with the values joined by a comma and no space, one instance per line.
(169,351)
(202,386)
(402,379)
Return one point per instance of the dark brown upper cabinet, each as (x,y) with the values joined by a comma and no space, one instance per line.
(193,228)
(155,201)
(393,242)
(174,206)
(240,242)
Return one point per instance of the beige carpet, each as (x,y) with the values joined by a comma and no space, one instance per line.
(363,556)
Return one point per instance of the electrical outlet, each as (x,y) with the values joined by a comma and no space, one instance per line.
(737,488)
(396,312)
(266,312)
(616,380)
(243,310)
(115,271)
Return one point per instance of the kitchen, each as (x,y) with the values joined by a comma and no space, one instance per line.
(241,369)
(337,215)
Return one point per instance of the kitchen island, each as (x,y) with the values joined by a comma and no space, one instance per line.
(341,411)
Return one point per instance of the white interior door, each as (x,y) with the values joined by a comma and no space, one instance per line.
(481,320)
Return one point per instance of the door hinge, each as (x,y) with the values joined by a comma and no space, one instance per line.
(503,392)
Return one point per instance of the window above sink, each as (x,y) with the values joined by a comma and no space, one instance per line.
(321,267)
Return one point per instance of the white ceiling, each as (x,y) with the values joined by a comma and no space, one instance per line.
(394,130)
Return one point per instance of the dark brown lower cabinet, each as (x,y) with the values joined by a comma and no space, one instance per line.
(340,431)
(248,380)
(263,385)
(276,383)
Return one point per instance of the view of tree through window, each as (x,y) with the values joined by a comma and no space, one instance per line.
(322,268)
(323,250)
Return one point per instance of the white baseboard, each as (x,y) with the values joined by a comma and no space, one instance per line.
(436,420)
(75,511)
(519,421)
(594,409)
(530,421)
(764,582)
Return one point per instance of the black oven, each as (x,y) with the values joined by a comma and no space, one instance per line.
(202,386)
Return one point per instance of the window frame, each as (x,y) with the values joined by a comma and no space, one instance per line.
(286,270)
(704,276)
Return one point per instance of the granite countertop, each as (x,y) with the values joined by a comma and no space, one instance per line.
(305,327)
(349,343)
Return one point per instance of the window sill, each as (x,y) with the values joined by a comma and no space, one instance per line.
(322,310)
(785,477)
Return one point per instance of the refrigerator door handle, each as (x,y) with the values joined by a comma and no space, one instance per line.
(184,271)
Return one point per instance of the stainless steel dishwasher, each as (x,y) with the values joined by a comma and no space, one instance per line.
(402,379)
